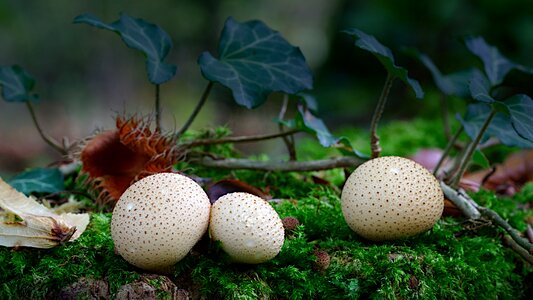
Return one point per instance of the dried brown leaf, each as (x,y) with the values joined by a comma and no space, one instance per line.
(26,223)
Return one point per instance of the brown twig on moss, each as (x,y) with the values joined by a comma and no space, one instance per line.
(518,249)
(239,139)
(473,211)
(281,166)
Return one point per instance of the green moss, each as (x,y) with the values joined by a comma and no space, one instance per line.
(39,273)
(454,260)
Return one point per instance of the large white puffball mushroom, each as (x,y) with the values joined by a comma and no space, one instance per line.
(158,220)
(390,198)
(248,228)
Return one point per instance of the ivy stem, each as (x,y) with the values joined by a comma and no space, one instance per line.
(374,138)
(288,140)
(196,109)
(50,141)
(449,147)
(445,117)
(157,109)
(465,159)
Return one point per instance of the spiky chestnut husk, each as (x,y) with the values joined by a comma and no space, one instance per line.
(115,159)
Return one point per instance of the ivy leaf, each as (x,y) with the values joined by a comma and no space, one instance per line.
(16,84)
(500,126)
(39,180)
(521,111)
(141,35)
(384,55)
(480,159)
(480,87)
(496,65)
(455,84)
(254,61)
(307,121)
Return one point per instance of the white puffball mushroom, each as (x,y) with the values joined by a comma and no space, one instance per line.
(158,220)
(247,226)
(390,198)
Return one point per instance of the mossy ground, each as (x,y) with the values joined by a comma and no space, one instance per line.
(454,260)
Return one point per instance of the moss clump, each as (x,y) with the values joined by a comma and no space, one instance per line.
(447,262)
(41,273)
(454,260)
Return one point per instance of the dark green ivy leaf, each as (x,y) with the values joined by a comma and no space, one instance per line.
(455,84)
(500,126)
(146,37)
(40,180)
(16,84)
(253,61)
(384,55)
(521,111)
(480,87)
(495,64)
(307,121)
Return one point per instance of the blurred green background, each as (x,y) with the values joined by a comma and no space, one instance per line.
(86,76)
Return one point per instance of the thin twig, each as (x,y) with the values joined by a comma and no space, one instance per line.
(49,140)
(524,243)
(374,138)
(239,139)
(462,201)
(451,142)
(465,159)
(157,109)
(281,166)
(473,211)
(196,109)
(288,140)
(521,251)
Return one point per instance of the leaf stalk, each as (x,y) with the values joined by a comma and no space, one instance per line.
(49,140)
(374,138)
(197,109)
(465,159)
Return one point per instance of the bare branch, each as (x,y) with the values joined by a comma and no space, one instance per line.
(473,211)
(238,139)
(521,251)
(281,166)
(462,201)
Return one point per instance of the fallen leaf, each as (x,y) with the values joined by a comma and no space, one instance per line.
(508,177)
(226,186)
(26,223)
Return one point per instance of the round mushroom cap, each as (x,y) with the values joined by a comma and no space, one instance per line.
(248,228)
(158,220)
(390,198)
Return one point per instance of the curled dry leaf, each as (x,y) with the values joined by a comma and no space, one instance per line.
(117,158)
(507,179)
(226,186)
(26,223)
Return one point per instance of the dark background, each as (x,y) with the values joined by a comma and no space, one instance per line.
(86,76)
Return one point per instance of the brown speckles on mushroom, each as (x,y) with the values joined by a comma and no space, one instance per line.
(390,198)
(248,228)
(158,220)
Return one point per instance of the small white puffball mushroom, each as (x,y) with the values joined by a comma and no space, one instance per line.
(158,220)
(390,198)
(249,229)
